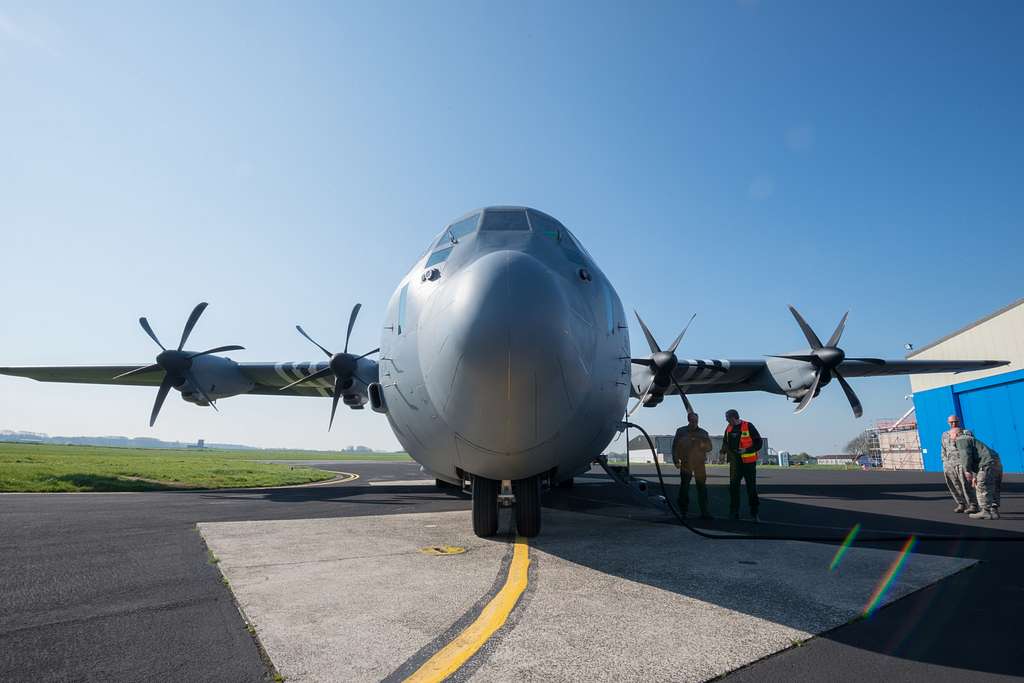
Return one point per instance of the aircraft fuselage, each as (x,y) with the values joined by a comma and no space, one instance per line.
(505,352)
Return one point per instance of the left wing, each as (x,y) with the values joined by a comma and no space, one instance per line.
(800,375)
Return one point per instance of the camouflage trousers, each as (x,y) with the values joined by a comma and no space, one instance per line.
(989,481)
(961,489)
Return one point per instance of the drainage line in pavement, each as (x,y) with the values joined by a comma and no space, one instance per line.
(898,536)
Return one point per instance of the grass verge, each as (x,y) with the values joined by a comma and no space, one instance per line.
(47,468)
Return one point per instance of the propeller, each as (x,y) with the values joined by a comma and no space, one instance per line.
(344,366)
(826,359)
(661,363)
(176,363)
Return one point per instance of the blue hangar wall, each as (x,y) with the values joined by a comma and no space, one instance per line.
(992,407)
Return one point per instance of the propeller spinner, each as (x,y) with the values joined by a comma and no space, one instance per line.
(826,359)
(344,366)
(177,364)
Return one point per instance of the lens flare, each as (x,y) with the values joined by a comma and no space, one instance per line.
(889,577)
(847,542)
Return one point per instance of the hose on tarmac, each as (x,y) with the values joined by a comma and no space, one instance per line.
(896,536)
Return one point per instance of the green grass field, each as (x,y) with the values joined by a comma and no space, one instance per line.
(48,468)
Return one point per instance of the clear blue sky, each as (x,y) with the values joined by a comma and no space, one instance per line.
(285,160)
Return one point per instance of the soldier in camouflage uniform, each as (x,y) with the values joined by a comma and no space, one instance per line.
(954,466)
(985,470)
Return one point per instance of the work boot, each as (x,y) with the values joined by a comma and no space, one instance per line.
(983,514)
(994,512)
(755,518)
(971,510)
(958,508)
(734,515)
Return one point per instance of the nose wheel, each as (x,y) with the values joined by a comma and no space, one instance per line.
(527,492)
(485,506)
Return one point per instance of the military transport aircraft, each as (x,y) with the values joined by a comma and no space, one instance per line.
(504,356)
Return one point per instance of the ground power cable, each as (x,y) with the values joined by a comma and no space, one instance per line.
(897,536)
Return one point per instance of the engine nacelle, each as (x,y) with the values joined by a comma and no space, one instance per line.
(220,377)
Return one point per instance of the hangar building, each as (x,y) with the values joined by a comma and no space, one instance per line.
(989,402)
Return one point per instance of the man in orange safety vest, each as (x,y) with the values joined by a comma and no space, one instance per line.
(741,444)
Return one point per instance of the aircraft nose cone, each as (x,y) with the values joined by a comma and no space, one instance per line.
(503,374)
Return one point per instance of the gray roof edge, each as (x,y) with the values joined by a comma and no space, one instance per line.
(977,322)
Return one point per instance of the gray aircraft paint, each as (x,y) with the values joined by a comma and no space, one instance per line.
(507,363)
(512,359)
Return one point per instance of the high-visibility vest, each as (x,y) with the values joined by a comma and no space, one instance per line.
(746,441)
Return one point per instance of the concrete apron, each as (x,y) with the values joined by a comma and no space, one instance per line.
(608,599)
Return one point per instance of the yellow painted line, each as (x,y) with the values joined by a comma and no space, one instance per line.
(452,656)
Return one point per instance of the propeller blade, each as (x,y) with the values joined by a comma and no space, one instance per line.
(316,375)
(806,400)
(334,402)
(812,338)
(161,394)
(368,353)
(191,322)
(873,361)
(834,339)
(858,411)
(682,394)
(219,349)
(303,333)
(192,379)
(149,330)
(642,398)
(642,361)
(647,333)
(672,349)
(351,324)
(147,368)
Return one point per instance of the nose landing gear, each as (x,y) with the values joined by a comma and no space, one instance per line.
(527,492)
(485,506)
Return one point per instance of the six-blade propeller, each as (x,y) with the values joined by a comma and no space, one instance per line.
(344,366)
(662,365)
(826,359)
(176,364)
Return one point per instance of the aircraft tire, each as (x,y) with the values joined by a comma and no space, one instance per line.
(485,506)
(527,492)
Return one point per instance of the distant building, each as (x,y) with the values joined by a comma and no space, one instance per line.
(639,451)
(988,402)
(840,459)
(201,443)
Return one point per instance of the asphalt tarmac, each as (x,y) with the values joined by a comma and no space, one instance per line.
(120,586)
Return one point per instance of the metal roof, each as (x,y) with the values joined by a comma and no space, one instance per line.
(977,322)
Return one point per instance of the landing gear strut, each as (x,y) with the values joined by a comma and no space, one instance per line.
(485,506)
(527,492)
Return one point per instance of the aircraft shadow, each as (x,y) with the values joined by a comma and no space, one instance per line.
(966,621)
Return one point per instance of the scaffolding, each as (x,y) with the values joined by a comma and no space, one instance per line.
(899,444)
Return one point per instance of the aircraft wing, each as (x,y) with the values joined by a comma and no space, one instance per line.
(266,379)
(790,376)
(89,374)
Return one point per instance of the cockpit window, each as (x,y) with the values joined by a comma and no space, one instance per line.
(505,220)
(463,227)
(546,225)
(439,256)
